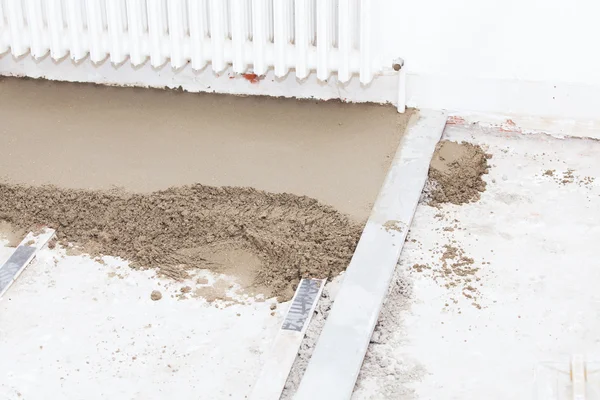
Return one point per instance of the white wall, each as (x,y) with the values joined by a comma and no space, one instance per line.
(521,56)
(532,40)
(527,57)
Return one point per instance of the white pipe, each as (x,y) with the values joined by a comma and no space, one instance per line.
(4,45)
(176,34)
(197,33)
(345,43)
(54,18)
(136,32)
(217,35)
(34,20)
(280,36)
(259,35)
(116,33)
(366,61)
(95,30)
(75,25)
(301,23)
(238,34)
(578,377)
(323,39)
(18,38)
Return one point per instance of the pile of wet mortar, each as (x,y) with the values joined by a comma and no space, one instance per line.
(174,230)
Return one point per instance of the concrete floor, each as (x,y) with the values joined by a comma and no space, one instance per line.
(73,328)
(84,329)
(534,240)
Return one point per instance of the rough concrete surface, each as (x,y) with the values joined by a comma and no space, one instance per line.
(484,291)
(492,288)
(76,328)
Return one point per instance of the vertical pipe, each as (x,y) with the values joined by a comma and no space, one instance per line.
(333,22)
(248,19)
(270,21)
(156,31)
(36,24)
(302,38)
(136,31)
(176,34)
(54,17)
(95,30)
(227,19)
(4,44)
(323,39)
(280,36)
(311,23)
(259,35)
(238,34)
(197,9)
(578,378)
(402,90)
(344,41)
(217,27)
(291,24)
(116,32)
(75,25)
(354,23)
(366,54)
(18,41)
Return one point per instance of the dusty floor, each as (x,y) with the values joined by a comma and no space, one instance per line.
(75,328)
(484,294)
(95,137)
(79,319)
(526,294)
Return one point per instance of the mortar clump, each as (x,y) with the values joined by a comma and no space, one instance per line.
(455,173)
(174,230)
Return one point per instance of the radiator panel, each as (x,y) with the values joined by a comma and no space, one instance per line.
(304,36)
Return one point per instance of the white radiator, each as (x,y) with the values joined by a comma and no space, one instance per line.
(322,36)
